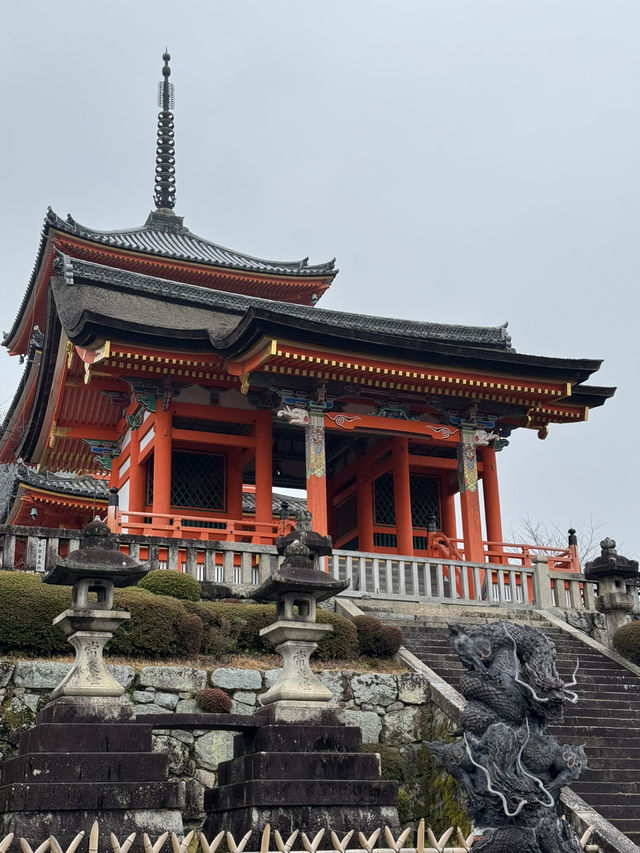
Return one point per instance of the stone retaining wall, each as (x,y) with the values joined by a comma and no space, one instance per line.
(391,710)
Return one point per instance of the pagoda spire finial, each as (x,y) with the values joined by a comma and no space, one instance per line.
(165,185)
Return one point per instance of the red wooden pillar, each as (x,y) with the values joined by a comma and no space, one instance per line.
(162,464)
(137,479)
(402,495)
(264,467)
(365,514)
(469,503)
(448,508)
(491,494)
(316,470)
(234,486)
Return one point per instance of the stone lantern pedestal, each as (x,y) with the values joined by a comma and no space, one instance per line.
(301,767)
(616,576)
(89,690)
(86,759)
(296,588)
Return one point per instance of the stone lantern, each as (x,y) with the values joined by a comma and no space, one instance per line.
(95,761)
(615,575)
(95,568)
(296,587)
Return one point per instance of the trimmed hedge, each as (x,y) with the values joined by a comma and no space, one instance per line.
(27,609)
(375,639)
(626,641)
(343,643)
(167,582)
(159,627)
(241,623)
(238,623)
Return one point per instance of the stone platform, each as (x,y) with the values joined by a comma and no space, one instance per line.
(68,774)
(306,774)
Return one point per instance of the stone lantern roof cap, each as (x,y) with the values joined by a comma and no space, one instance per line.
(298,575)
(98,557)
(610,563)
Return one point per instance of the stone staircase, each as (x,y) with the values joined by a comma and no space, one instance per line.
(606,718)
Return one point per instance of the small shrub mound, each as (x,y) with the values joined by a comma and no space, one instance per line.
(377,640)
(158,628)
(213,700)
(626,641)
(176,584)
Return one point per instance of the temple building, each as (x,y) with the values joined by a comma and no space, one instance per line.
(196,381)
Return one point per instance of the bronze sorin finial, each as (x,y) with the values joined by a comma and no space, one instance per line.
(165,184)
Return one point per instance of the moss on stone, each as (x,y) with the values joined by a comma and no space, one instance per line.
(425,791)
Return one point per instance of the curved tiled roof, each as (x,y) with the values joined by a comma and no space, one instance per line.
(164,234)
(493,337)
(13,474)
(66,483)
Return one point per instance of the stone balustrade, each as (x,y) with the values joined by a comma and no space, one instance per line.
(244,565)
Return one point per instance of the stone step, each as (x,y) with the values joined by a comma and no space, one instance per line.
(607,783)
(87,737)
(90,796)
(301,792)
(315,765)
(51,768)
(296,738)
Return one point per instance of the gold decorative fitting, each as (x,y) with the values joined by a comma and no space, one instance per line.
(87,374)
(52,434)
(244,383)
(71,353)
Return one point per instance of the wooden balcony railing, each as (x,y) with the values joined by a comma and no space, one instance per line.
(182,526)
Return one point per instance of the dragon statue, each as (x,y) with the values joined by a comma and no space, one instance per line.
(511,769)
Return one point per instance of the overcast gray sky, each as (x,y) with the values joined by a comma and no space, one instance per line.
(466,161)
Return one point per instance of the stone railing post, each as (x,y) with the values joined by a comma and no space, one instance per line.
(542,583)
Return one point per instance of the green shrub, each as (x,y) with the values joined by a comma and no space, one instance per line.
(217,641)
(342,644)
(626,641)
(27,609)
(167,582)
(239,623)
(377,640)
(213,700)
(160,627)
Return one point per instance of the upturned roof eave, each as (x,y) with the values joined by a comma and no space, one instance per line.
(307,275)
(293,269)
(259,317)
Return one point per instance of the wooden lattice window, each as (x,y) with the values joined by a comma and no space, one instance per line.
(384,505)
(425,500)
(198,480)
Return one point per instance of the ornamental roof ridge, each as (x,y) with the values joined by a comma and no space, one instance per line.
(493,337)
(165,235)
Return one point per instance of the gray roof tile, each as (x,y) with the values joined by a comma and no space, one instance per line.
(165,235)
(482,336)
